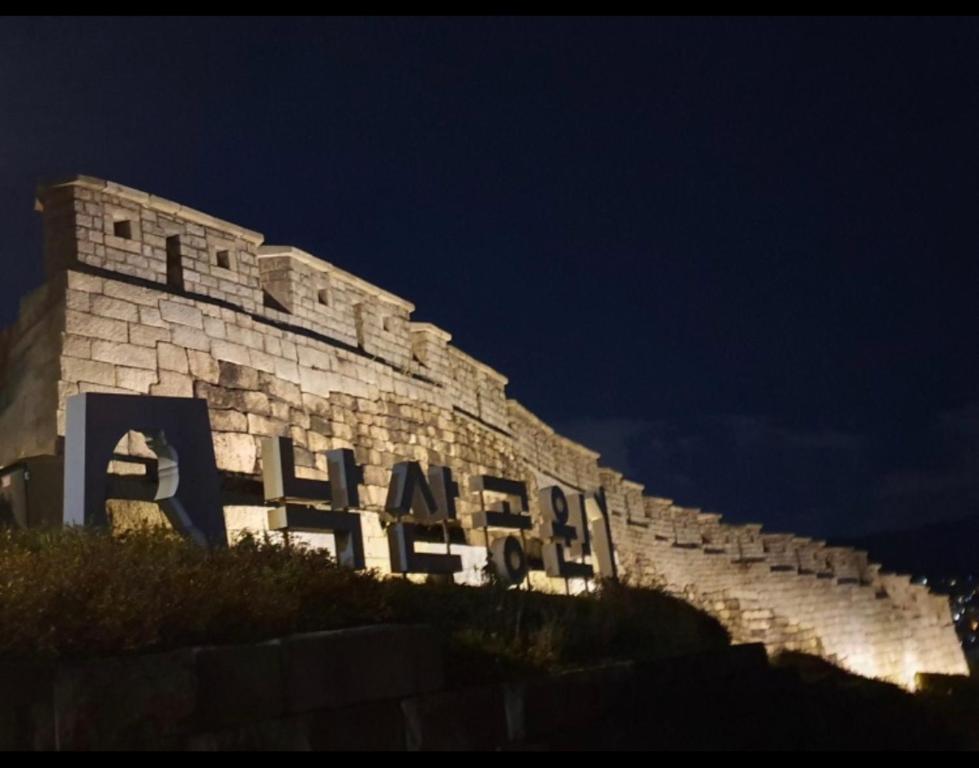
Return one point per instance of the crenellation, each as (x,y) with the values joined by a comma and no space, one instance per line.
(686,531)
(635,507)
(750,545)
(845,564)
(780,551)
(429,347)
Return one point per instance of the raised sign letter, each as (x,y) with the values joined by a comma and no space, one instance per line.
(189,491)
(282,486)
(410,493)
(555,511)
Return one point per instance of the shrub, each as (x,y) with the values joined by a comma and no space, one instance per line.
(78,593)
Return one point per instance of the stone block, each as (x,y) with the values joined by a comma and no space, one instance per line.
(136,294)
(321,425)
(151,316)
(80,281)
(228,421)
(84,324)
(289,350)
(124,354)
(126,515)
(181,314)
(318,443)
(261,361)
(283,390)
(105,306)
(234,376)
(78,300)
(310,357)
(214,328)
(260,425)
(246,337)
(273,345)
(233,353)
(235,452)
(172,358)
(85,386)
(191,338)
(94,372)
(280,409)
(287,370)
(172,384)
(237,399)
(77,346)
(147,335)
(203,366)
(217,397)
(256,402)
(137,379)
(316,382)
(327,670)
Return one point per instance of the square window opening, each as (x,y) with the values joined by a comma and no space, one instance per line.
(123,229)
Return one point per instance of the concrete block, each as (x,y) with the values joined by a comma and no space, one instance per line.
(280,735)
(125,703)
(466,719)
(375,726)
(344,667)
(26,713)
(238,684)
(571,700)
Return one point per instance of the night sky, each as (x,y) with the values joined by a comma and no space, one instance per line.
(738,257)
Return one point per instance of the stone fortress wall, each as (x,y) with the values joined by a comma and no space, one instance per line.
(145,296)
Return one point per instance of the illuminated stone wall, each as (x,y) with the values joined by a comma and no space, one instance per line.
(145,296)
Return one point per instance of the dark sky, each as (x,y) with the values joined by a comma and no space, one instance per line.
(739,257)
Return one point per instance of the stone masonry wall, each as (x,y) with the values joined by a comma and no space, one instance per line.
(30,351)
(145,296)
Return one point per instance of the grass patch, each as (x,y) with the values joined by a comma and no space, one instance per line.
(78,593)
